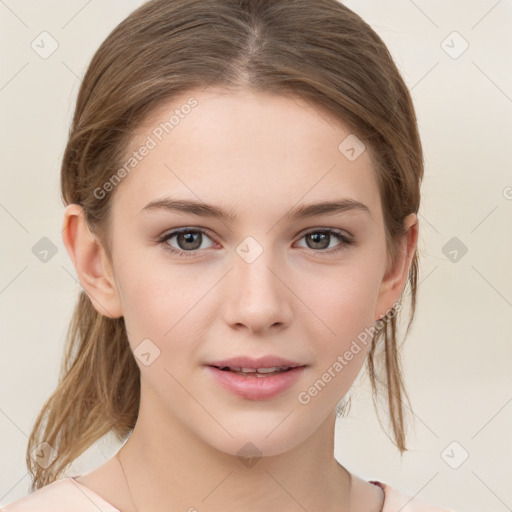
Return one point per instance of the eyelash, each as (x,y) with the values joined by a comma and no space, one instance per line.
(346,242)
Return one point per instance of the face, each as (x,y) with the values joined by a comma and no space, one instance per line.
(263,281)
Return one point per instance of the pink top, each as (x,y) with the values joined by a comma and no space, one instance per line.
(68,495)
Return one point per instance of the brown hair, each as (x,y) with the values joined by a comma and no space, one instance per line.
(318,50)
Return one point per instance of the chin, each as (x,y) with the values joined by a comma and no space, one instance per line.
(259,437)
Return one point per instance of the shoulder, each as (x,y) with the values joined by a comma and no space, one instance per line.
(396,500)
(65,495)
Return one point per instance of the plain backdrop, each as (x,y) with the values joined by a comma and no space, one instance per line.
(456,59)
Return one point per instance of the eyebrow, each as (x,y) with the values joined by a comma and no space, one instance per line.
(302,211)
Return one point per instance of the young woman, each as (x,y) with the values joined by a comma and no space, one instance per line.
(241,182)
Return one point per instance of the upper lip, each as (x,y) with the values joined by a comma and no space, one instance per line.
(258,362)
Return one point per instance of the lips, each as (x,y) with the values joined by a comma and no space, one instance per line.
(250,363)
(255,372)
(256,378)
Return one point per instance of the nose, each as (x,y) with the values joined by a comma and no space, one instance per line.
(259,296)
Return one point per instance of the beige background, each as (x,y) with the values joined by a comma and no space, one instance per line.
(458,356)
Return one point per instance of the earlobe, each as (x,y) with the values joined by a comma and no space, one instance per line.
(395,279)
(91,262)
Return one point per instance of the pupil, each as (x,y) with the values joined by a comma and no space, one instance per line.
(318,238)
(190,237)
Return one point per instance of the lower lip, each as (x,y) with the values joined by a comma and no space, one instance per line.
(256,388)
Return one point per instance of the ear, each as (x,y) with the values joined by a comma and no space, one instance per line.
(395,278)
(91,262)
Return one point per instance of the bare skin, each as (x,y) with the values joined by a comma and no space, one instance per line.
(258,156)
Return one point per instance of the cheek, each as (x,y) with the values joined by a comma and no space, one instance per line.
(341,348)
(163,301)
(344,300)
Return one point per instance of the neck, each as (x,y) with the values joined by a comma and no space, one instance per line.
(168,467)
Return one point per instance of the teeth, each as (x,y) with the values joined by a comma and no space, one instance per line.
(273,369)
(269,370)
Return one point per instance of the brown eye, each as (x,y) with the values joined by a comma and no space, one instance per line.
(188,241)
(320,240)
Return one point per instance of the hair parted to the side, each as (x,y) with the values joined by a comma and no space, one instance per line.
(318,50)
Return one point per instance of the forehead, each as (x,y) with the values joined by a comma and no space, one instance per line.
(252,149)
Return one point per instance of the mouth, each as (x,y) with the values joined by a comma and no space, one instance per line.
(258,381)
(255,372)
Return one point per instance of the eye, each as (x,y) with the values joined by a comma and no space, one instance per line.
(320,239)
(188,240)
